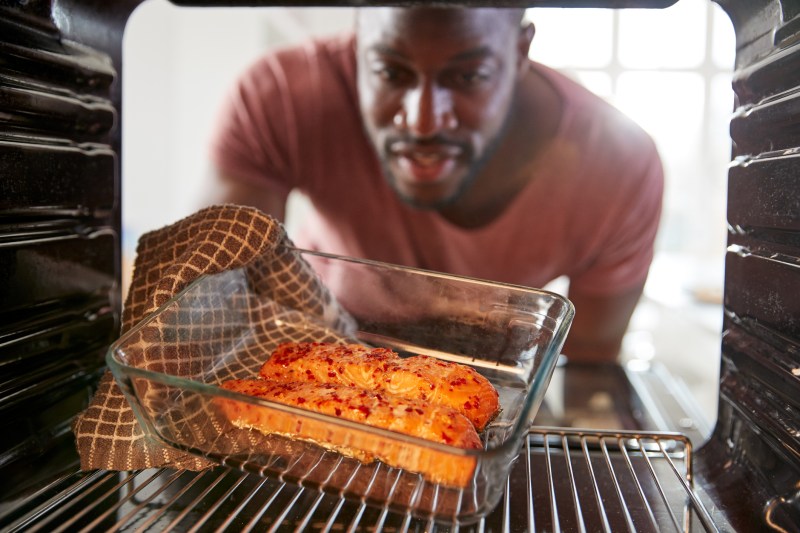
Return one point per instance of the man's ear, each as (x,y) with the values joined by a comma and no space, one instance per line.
(526,33)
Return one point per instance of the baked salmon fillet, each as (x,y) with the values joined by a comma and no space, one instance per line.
(412,417)
(381,370)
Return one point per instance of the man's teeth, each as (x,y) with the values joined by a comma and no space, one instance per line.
(426,159)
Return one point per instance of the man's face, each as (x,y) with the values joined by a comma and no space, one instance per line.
(435,89)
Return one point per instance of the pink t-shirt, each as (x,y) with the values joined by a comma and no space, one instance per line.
(591,212)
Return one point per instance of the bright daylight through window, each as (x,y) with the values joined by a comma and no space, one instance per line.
(669,70)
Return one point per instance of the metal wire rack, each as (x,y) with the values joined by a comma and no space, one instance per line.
(563,480)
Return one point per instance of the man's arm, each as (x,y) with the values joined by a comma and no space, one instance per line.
(599,325)
(601,320)
(266,196)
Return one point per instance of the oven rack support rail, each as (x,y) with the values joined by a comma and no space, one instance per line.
(564,479)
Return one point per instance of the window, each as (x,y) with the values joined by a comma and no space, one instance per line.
(669,70)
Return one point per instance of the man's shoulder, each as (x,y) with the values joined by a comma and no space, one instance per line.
(297,72)
(591,117)
(330,51)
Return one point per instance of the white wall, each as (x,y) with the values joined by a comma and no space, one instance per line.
(178,63)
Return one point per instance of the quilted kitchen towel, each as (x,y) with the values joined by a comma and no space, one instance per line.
(212,241)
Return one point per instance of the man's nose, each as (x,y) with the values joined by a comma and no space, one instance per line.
(427,110)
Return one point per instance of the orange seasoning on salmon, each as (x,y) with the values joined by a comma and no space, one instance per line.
(418,396)
(380,369)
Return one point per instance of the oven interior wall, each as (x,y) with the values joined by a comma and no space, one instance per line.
(756,442)
(59,227)
(60,247)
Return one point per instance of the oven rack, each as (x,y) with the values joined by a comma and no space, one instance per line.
(564,479)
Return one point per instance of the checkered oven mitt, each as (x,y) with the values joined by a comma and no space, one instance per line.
(213,240)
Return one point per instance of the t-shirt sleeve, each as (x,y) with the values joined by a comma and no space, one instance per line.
(254,137)
(624,257)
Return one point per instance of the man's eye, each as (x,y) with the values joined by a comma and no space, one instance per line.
(471,78)
(390,74)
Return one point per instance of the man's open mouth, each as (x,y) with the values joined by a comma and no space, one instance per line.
(429,163)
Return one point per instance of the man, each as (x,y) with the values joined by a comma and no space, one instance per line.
(431,140)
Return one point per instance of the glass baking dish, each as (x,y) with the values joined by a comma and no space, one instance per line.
(224,326)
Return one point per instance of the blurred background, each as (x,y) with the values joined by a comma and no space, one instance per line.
(180,61)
